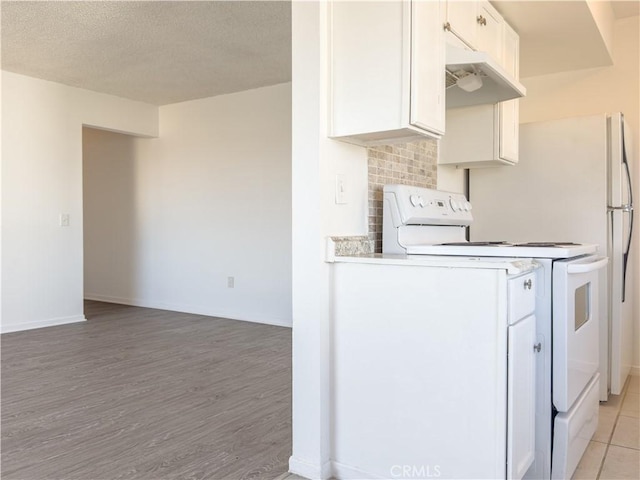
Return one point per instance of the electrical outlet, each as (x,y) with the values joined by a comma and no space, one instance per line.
(231,282)
(64,219)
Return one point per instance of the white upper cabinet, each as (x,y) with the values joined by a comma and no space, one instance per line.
(510,50)
(486,135)
(477,24)
(510,110)
(474,137)
(509,126)
(461,20)
(489,31)
(386,64)
(427,68)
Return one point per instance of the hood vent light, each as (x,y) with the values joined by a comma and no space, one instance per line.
(474,78)
(469,82)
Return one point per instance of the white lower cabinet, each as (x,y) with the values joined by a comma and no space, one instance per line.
(521,397)
(423,384)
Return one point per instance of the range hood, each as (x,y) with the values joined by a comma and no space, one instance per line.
(474,78)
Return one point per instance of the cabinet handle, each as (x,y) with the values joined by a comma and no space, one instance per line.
(447,27)
(537,347)
(528,284)
(481,20)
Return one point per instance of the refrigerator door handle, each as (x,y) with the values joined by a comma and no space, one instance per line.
(629,209)
(625,255)
(624,208)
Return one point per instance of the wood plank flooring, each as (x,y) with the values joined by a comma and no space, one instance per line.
(136,393)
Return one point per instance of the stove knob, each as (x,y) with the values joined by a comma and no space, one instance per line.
(415,200)
(454,205)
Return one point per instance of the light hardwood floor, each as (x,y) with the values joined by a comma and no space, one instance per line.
(146,394)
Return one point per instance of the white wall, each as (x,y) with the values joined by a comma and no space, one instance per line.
(42,178)
(599,90)
(167,220)
(315,162)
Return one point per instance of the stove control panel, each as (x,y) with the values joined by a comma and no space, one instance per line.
(426,206)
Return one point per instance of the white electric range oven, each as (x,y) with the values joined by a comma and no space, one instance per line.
(419,221)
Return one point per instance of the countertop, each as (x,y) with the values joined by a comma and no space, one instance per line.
(512,265)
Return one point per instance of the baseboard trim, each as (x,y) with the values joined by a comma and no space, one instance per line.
(50,322)
(310,470)
(635,371)
(347,472)
(278,322)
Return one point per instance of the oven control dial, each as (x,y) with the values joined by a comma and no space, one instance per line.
(417,200)
(455,206)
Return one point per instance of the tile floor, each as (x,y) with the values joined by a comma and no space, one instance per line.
(614,451)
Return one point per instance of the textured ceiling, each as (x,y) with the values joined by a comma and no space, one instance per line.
(158,52)
(170,51)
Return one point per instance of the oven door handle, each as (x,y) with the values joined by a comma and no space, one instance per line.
(596,264)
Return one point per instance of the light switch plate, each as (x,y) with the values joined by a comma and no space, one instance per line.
(341,189)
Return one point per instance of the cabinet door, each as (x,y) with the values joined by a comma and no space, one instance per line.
(427,106)
(461,16)
(521,398)
(511,51)
(510,110)
(509,130)
(489,32)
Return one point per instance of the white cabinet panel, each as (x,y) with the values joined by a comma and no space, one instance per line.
(521,398)
(366,58)
(487,135)
(509,118)
(386,64)
(511,50)
(419,371)
(461,19)
(522,297)
(427,67)
(489,33)
(480,136)
(510,110)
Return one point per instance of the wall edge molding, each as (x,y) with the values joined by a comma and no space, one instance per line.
(50,322)
(310,470)
(192,309)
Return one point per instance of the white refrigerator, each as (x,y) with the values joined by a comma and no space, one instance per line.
(572,184)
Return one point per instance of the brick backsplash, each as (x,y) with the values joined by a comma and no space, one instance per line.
(405,163)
